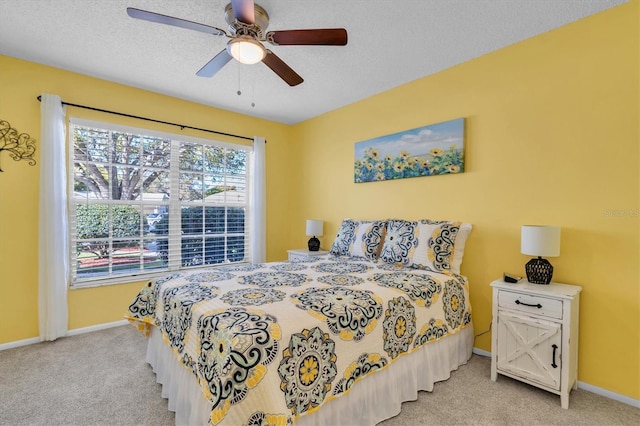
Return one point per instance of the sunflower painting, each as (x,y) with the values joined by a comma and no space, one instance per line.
(436,149)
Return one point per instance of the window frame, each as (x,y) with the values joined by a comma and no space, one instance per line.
(174,205)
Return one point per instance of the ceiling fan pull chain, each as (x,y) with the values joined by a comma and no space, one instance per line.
(253,89)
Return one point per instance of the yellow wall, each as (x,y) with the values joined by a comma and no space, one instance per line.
(551,138)
(22,82)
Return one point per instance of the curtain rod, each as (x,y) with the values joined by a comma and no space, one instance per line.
(182,126)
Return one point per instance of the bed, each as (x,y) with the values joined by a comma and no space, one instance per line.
(343,338)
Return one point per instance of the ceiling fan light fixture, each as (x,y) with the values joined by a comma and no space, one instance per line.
(246,50)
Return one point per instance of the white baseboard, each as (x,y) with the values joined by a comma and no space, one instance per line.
(18,343)
(74,332)
(97,327)
(586,386)
(481,352)
(611,395)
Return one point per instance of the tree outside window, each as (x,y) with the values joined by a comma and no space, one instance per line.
(125,186)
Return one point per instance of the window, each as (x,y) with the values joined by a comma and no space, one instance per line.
(144,202)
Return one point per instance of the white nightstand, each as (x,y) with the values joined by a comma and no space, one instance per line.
(535,335)
(304,254)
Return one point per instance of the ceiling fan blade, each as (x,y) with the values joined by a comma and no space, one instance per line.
(215,64)
(325,37)
(170,20)
(243,10)
(283,70)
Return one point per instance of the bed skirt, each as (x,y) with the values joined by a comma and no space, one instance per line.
(378,399)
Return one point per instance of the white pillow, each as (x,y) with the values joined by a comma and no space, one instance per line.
(458,250)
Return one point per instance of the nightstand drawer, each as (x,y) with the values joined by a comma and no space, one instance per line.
(531,304)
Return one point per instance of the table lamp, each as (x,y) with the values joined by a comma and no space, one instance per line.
(314,229)
(540,240)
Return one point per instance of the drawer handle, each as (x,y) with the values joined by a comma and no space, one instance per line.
(553,360)
(526,304)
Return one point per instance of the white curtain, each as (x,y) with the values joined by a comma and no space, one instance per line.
(259,203)
(53,266)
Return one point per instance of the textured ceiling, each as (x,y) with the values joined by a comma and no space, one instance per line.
(390,43)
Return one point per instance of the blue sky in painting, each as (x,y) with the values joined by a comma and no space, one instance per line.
(417,141)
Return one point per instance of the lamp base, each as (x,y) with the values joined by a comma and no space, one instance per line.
(539,271)
(314,244)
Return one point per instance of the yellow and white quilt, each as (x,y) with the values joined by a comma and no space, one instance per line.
(270,342)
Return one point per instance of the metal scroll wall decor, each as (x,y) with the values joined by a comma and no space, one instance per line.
(19,145)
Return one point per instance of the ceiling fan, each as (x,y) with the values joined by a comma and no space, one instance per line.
(247,24)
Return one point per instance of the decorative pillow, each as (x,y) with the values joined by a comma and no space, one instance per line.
(367,239)
(359,239)
(399,242)
(437,246)
(440,245)
(435,242)
(343,240)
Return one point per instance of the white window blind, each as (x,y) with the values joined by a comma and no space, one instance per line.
(143,202)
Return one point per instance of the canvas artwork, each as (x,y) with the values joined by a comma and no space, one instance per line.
(436,149)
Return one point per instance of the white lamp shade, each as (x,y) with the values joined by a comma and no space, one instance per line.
(314,228)
(540,240)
